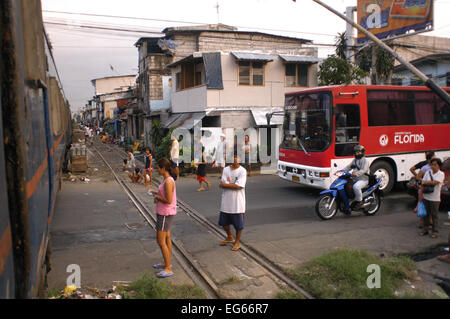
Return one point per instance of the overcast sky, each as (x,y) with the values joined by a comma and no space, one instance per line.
(83,54)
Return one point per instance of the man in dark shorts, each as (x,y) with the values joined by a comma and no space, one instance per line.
(232,208)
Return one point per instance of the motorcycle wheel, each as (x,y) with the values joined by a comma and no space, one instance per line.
(373,209)
(323,209)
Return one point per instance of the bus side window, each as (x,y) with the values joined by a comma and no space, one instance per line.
(348,127)
(443,112)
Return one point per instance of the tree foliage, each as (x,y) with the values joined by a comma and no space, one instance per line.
(161,140)
(335,71)
(384,65)
(341,45)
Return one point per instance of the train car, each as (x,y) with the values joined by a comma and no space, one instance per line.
(35,133)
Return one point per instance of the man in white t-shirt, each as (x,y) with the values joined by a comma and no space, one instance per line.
(221,152)
(175,154)
(232,208)
(434,177)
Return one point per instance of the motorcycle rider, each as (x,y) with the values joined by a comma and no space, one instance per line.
(360,173)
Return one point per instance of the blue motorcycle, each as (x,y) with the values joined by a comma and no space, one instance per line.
(339,196)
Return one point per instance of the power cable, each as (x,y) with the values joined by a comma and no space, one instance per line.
(186,22)
(100,28)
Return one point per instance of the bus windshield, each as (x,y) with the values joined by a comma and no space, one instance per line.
(307,122)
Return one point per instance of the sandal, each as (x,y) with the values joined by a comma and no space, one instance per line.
(434,235)
(164,274)
(224,242)
(235,248)
(159,266)
(423,233)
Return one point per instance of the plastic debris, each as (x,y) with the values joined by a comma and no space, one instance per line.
(72,292)
(69,290)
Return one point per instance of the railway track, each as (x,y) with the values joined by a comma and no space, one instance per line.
(200,277)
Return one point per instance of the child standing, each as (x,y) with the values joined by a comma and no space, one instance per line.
(131,162)
(148,167)
(201,172)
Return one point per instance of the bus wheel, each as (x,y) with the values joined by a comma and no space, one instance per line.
(384,170)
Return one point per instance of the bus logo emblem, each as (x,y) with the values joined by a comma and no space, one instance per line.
(384,140)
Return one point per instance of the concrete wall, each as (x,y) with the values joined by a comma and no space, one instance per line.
(271,94)
(437,71)
(114,84)
(190,100)
(417,46)
(110,106)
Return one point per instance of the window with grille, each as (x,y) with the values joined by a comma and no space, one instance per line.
(296,74)
(251,73)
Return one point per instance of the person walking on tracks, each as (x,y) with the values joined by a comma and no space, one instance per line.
(148,159)
(175,154)
(201,172)
(232,206)
(166,209)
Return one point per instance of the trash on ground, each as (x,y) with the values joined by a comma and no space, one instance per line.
(72,292)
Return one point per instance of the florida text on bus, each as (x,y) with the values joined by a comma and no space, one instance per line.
(395,124)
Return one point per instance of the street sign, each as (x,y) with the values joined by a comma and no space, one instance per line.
(387,18)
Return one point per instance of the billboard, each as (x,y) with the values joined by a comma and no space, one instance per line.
(386,18)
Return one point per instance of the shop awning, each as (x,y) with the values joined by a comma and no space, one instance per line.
(168,122)
(259,115)
(299,59)
(184,120)
(195,56)
(247,56)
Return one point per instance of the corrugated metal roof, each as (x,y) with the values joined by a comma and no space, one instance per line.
(300,58)
(193,56)
(249,56)
(167,123)
(184,120)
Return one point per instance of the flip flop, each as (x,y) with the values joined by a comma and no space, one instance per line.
(164,274)
(235,248)
(159,266)
(225,242)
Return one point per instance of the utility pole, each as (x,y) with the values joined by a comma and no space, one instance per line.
(349,34)
(427,81)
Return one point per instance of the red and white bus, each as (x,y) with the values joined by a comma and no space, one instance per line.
(395,124)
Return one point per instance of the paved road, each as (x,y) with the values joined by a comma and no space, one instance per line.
(271,200)
(281,222)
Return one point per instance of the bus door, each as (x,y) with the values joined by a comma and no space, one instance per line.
(347,128)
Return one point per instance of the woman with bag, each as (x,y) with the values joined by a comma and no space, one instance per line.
(166,209)
(432,183)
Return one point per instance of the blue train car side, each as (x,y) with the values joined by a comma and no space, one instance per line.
(35,124)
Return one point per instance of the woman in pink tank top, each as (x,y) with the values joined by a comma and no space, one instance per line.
(166,209)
